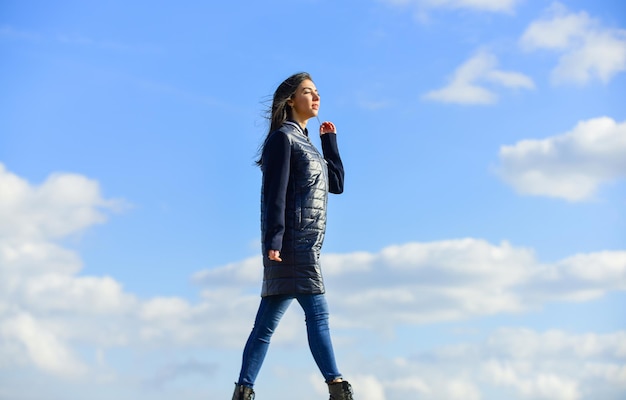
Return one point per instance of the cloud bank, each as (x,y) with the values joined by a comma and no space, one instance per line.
(52,317)
(514,363)
(420,283)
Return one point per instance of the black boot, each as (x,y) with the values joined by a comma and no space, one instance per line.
(340,391)
(243,393)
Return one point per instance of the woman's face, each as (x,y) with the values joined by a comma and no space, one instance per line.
(305,102)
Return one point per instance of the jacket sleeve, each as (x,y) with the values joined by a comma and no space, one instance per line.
(276,165)
(335,166)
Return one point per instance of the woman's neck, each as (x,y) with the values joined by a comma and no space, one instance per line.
(302,123)
(295,117)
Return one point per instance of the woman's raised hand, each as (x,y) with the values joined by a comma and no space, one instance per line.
(327,127)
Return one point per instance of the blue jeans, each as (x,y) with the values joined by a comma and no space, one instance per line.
(270,312)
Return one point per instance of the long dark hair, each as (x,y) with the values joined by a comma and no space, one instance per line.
(280,110)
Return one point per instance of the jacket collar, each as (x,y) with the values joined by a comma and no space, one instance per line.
(296,125)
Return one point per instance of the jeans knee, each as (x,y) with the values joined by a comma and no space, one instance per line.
(317,319)
(263,334)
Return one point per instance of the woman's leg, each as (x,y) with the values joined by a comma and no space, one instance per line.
(271,310)
(316,312)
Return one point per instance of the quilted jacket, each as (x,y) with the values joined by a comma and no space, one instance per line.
(294,196)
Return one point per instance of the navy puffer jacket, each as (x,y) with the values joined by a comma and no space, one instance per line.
(294,195)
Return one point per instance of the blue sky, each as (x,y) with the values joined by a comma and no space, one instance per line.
(478,252)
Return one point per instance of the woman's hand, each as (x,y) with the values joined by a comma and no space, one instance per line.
(327,127)
(274,255)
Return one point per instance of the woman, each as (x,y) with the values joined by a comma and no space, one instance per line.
(296,182)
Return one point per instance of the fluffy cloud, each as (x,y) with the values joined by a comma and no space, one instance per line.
(466,86)
(420,283)
(62,205)
(571,166)
(554,364)
(52,318)
(587,49)
(41,346)
(511,363)
(48,310)
(37,276)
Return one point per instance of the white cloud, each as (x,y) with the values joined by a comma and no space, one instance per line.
(52,318)
(40,345)
(466,86)
(38,276)
(370,388)
(541,386)
(571,166)
(46,307)
(538,366)
(419,283)
(587,49)
(62,205)
(511,363)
